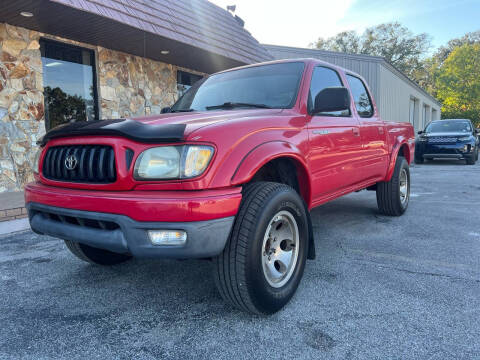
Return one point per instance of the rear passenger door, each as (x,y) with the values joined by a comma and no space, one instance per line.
(334,139)
(375,157)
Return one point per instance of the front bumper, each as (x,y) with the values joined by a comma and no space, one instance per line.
(119,221)
(121,234)
(447,151)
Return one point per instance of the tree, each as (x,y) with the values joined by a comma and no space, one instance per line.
(443,51)
(396,43)
(426,76)
(62,108)
(346,42)
(458,83)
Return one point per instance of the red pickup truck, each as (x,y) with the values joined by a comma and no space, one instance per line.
(229,173)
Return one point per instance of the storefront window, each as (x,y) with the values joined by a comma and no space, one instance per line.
(69,83)
(185,81)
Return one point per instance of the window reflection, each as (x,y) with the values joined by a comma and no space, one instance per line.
(185,81)
(69,83)
(360,96)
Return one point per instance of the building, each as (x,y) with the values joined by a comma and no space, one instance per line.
(398,98)
(67,60)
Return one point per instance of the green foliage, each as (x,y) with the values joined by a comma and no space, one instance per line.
(396,43)
(426,75)
(62,108)
(443,51)
(457,81)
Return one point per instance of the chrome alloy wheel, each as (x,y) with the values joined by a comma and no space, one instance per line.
(280,249)
(404,190)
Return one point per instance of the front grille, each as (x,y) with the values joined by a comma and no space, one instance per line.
(80,163)
(442,140)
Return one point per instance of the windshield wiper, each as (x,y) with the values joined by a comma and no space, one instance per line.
(231,105)
(182,110)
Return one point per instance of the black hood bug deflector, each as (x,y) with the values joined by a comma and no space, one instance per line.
(131,129)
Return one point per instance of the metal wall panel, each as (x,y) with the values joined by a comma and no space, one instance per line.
(394,99)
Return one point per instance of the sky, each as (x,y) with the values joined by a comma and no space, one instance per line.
(300,22)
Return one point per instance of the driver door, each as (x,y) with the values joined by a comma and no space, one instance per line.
(334,142)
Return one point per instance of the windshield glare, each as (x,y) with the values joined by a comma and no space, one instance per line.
(449,126)
(274,86)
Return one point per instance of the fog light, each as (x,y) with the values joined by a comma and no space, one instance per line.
(167,237)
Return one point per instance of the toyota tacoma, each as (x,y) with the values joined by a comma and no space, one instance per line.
(229,173)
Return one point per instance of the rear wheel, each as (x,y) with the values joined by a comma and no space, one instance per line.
(263,261)
(393,196)
(95,255)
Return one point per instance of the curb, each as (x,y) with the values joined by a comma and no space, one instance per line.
(11,226)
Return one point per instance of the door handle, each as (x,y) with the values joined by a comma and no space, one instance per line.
(356,131)
(320,132)
(380,130)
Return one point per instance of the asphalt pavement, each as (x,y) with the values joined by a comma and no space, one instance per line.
(380,288)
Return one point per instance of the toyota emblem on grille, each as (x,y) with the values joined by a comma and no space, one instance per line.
(71,162)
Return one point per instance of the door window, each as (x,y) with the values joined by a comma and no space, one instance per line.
(322,78)
(363,104)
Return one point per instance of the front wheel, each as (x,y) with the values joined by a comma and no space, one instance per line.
(393,196)
(471,160)
(419,159)
(263,261)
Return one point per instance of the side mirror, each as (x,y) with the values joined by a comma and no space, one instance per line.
(420,132)
(332,99)
(166,110)
(477,131)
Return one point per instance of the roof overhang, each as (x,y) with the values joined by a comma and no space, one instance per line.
(116,31)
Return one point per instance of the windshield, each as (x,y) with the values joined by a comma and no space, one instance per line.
(449,126)
(265,86)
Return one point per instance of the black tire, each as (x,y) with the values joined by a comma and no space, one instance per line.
(419,159)
(95,255)
(238,271)
(471,160)
(389,198)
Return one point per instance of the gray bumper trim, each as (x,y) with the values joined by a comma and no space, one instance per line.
(443,156)
(204,238)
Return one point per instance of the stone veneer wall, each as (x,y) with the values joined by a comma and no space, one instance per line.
(133,86)
(21,105)
(127,86)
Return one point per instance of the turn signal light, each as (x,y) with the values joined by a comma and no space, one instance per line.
(167,237)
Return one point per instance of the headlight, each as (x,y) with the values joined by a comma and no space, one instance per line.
(464,138)
(36,161)
(172,162)
(422,139)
